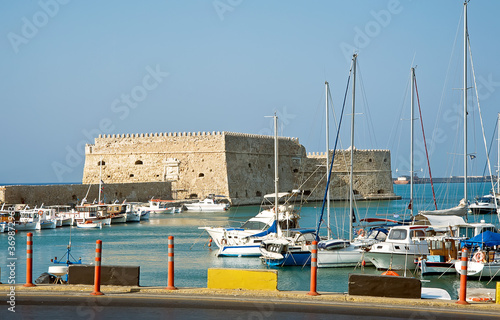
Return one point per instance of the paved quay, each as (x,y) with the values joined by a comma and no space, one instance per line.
(208,301)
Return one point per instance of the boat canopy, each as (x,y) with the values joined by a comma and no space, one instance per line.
(486,238)
(280,195)
(442,221)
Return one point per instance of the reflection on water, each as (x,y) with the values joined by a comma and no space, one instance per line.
(145,244)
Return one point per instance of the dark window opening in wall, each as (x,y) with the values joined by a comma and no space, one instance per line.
(307,192)
(236,195)
(131,175)
(295,170)
(381,191)
(385,159)
(138,162)
(370,160)
(258,194)
(249,165)
(269,166)
(210,170)
(354,191)
(157,175)
(101,163)
(201,175)
(109,176)
(246,193)
(193,196)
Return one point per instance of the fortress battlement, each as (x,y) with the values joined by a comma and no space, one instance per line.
(238,165)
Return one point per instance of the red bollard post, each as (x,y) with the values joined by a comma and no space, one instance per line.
(29,261)
(97,269)
(170,259)
(314,269)
(463,278)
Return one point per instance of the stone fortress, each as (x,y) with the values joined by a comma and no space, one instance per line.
(239,166)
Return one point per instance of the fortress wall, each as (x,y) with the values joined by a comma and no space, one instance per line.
(194,162)
(240,166)
(36,195)
(372,175)
(250,166)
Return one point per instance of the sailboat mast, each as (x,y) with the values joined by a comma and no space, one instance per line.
(465,101)
(276,174)
(498,155)
(351,179)
(412,117)
(327,162)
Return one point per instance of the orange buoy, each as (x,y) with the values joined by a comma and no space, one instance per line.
(363,263)
(210,242)
(390,273)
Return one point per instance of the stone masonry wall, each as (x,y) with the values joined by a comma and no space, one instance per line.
(240,166)
(194,163)
(36,195)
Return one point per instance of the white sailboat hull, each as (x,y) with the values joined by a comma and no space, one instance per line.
(342,257)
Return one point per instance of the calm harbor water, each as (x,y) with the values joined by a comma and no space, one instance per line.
(145,244)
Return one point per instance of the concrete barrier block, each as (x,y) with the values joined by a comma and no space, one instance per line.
(247,279)
(110,275)
(497,297)
(384,286)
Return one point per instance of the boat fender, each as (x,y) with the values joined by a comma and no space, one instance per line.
(361,233)
(223,241)
(479,256)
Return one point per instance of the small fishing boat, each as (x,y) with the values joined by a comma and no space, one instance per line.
(484,262)
(132,215)
(89,224)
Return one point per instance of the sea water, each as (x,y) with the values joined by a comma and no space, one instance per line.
(144,244)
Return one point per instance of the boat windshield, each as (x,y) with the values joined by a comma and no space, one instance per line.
(254,225)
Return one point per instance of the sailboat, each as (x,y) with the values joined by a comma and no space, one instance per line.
(287,246)
(246,240)
(343,252)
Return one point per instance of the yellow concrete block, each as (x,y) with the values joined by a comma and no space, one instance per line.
(247,279)
(497,298)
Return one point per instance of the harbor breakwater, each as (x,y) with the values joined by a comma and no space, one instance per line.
(56,194)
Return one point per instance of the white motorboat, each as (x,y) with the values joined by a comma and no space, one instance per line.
(89,224)
(246,240)
(485,205)
(157,206)
(211,203)
(64,215)
(131,212)
(403,246)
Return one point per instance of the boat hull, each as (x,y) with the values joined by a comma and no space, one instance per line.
(430,267)
(239,251)
(393,261)
(343,257)
(302,258)
(25,226)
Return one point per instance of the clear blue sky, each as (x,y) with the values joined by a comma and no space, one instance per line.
(74,69)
